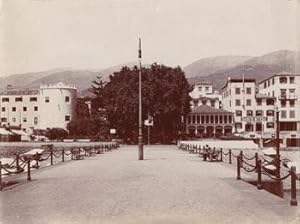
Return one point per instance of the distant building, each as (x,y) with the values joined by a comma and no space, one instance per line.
(51,106)
(285,88)
(206,118)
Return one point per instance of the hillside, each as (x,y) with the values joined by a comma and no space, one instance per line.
(206,66)
(257,67)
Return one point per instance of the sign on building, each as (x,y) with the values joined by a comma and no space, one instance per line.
(250,119)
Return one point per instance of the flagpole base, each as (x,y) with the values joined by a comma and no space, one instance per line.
(141,150)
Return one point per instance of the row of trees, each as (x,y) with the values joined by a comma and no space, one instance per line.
(165,96)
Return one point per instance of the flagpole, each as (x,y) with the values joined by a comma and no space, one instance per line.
(140,137)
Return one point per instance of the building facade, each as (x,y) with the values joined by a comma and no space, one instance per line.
(253,111)
(285,88)
(207,119)
(52,106)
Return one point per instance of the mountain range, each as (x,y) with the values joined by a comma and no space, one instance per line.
(213,69)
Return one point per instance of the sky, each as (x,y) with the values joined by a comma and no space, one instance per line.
(37,35)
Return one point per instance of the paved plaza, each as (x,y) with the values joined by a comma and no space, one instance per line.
(169,186)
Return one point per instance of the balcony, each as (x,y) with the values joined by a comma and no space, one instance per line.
(288,97)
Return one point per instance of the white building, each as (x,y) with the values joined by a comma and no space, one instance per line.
(285,88)
(52,106)
(203,94)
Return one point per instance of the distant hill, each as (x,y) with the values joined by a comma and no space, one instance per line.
(80,78)
(206,66)
(256,67)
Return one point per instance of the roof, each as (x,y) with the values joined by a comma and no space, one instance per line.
(204,109)
(280,74)
(238,80)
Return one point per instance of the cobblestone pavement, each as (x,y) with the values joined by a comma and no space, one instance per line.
(169,186)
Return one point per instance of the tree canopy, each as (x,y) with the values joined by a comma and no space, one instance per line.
(165,96)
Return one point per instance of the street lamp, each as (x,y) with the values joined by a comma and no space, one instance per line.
(140,136)
(277,144)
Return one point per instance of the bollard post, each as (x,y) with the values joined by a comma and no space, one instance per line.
(238,167)
(230,154)
(241,158)
(51,157)
(28,170)
(37,160)
(293,187)
(63,155)
(256,159)
(1,176)
(17,161)
(221,158)
(258,168)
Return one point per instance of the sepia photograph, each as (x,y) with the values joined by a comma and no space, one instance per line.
(149,111)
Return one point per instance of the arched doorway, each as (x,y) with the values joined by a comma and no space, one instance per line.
(219,131)
(191,131)
(227,130)
(200,130)
(210,131)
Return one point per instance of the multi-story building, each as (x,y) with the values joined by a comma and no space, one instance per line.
(253,111)
(52,106)
(285,88)
(203,94)
(206,118)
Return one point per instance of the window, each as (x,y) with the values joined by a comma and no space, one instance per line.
(67,99)
(283,80)
(33,99)
(238,125)
(292,103)
(198,119)
(248,90)
(283,103)
(270,124)
(35,120)
(292,91)
(13,109)
(282,92)
(14,119)
(36,108)
(237,91)
(265,85)
(292,79)
(193,119)
(258,102)
(189,119)
(18,99)
(3,109)
(238,113)
(270,102)
(212,103)
(273,81)
(292,114)
(216,119)
(238,102)
(221,119)
(270,112)
(24,119)
(225,119)
(5,99)
(259,113)
(273,93)
(3,119)
(68,118)
(200,88)
(47,99)
(249,113)
(203,102)
(229,119)
(24,109)
(207,119)
(269,82)
(206,88)
(202,119)
(283,114)
(288,126)
(248,102)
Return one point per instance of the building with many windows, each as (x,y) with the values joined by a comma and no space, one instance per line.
(51,106)
(285,88)
(206,118)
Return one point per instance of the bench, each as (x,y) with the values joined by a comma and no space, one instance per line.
(77,154)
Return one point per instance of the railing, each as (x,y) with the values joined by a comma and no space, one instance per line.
(252,164)
(22,163)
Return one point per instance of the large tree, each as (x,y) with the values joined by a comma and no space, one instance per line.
(165,96)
